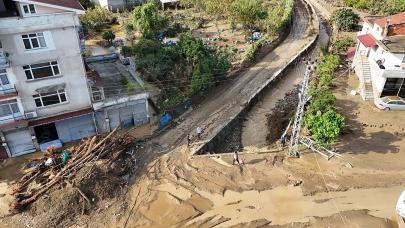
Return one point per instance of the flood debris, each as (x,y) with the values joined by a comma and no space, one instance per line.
(41,174)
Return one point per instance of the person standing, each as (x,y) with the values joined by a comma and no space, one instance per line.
(199,132)
(235,158)
(188,140)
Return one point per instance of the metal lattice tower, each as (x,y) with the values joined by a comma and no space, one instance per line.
(302,100)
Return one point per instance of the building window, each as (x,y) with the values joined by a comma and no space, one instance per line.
(29,9)
(41,70)
(9,107)
(3,77)
(45,99)
(34,41)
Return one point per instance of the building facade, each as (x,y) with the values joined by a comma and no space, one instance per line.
(379,61)
(44,96)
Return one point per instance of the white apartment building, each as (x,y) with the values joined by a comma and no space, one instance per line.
(379,61)
(44,98)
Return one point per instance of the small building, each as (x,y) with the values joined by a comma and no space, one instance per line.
(118,94)
(379,60)
(118,4)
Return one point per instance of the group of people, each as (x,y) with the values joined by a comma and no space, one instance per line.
(199,132)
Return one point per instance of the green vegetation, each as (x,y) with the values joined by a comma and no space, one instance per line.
(266,15)
(345,19)
(87,4)
(96,17)
(322,121)
(207,67)
(341,46)
(147,19)
(386,7)
(252,49)
(109,36)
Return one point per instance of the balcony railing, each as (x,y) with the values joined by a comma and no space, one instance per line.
(11,118)
(7,89)
(388,72)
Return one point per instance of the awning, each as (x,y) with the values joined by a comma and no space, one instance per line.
(51,88)
(60,117)
(367,40)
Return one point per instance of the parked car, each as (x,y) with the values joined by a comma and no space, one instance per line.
(390,103)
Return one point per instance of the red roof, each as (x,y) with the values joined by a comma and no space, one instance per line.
(395,19)
(367,40)
(74,4)
(60,117)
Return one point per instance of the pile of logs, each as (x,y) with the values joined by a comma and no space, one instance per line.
(39,179)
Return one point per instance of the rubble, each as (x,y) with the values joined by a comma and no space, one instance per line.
(41,174)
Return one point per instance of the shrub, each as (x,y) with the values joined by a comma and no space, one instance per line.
(148,20)
(96,17)
(345,19)
(341,46)
(109,36)
(325,127)
(126,51)
(253,48)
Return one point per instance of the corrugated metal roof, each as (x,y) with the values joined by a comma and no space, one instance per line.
(367,40)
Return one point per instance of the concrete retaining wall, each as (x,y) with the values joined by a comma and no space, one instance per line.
(238,118)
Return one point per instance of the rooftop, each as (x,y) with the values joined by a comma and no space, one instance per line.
(395,19)
(114,78)
(72,4)
(395,44)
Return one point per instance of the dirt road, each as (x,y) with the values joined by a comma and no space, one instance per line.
(227,100)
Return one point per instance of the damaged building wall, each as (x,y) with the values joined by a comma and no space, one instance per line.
(132,113)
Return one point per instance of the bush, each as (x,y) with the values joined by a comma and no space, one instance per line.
(109,36)
(96,17)
(245,12)
(253,48)
(345,19)
(169,99)
(325,127)
(126,51)
(341,46)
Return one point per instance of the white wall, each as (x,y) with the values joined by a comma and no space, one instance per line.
(65,49)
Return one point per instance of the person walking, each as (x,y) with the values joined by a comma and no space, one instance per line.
(235,158)
(188,140)
(199,132)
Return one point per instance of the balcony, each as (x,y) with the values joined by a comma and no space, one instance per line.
(7,91)
(388,72)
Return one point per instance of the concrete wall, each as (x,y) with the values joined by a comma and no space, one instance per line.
(63,46)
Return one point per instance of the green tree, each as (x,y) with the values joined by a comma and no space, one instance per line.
(322,101)
(245,12)
(325,127)
(345,19)
(87,4)
(192,48)
(96,17)
(148,19)
(109,36)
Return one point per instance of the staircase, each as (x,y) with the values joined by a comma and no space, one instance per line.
(365,79)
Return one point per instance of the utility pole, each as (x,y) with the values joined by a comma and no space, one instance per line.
(302,100)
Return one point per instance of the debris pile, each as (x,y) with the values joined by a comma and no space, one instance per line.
(42,174)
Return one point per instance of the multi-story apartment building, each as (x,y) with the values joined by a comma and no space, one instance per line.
(380,57)
(44,98)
